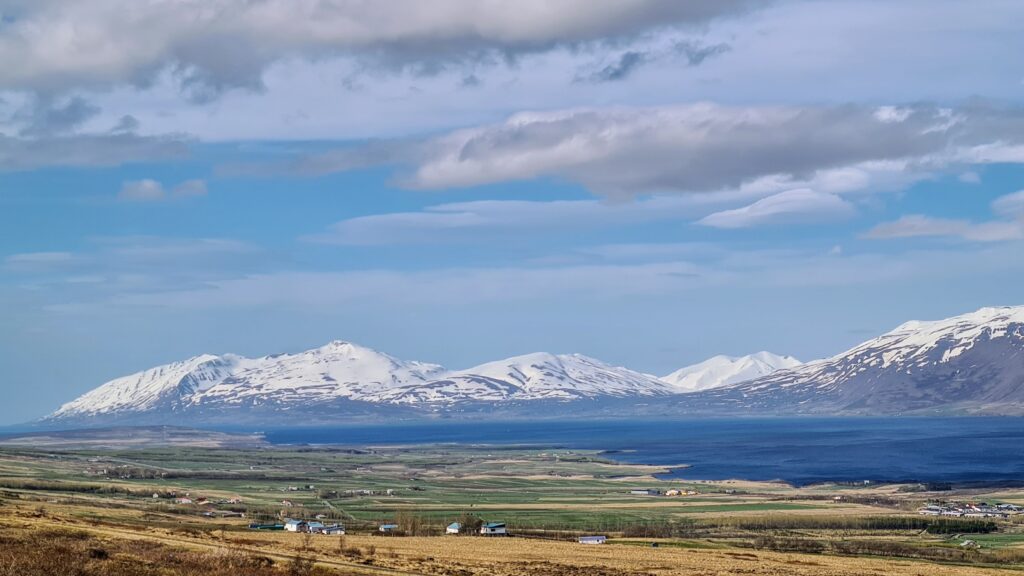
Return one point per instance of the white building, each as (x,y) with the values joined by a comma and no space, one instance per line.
(295,526)
(493,529)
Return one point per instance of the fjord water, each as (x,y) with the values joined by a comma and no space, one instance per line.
(797,450)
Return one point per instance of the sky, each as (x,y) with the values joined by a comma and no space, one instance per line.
(649,182)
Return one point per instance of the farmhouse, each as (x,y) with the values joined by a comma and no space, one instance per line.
(388,528)
(333,530)
(295,525)
(593,539)
(493,529)
(453,528)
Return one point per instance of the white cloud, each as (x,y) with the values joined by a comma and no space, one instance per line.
(87,150)
(1010,208)
(467,220)
(698,147)
(212,44)
(142,191)
(190,188)
(970,177)
(916,226)
(35,262)
(790,207)
(555,282)
(38,257)
(148,190)
(680,148)
(1010,205)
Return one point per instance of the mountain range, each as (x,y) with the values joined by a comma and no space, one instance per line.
(972,363)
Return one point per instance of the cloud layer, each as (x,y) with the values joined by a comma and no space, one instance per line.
(213,44)
(694,148)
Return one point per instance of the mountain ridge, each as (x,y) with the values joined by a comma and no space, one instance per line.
(972,364)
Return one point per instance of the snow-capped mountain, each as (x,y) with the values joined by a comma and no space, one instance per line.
(973,363)
(343,376)
(337,370)
(154,388)
(720,371)
(538,376)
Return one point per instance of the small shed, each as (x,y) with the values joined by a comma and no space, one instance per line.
(593,539)
(453,528)
(388,528)
(493,529)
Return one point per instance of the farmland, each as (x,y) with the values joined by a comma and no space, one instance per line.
(201,499)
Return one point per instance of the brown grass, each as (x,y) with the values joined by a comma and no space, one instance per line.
(32,545)
(63,552)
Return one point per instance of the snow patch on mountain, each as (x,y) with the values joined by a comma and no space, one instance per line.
(720,371)
(972,362)
(543,376)
(337,370)
(148,389)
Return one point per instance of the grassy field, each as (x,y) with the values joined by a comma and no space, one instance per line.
(547,497)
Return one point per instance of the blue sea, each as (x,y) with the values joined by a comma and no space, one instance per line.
(960,451)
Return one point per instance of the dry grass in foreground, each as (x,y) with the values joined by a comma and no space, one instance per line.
(63,552)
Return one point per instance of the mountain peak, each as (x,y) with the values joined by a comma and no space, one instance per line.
(980,316)
(973,362)
(721,370)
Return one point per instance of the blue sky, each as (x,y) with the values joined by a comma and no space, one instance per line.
(651,183)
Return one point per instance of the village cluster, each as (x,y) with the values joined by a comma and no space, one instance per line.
(970,510)
(455,528)
(653,492)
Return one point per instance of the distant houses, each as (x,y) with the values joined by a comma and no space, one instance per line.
(388,528)
(593,539)
(453,528)
(645,492)
(675,492)
(312,527)
(973,510)
(493,529)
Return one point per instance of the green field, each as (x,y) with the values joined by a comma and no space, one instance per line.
(539,492)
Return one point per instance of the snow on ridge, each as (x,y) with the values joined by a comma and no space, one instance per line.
(721,370)
(542,375)
(909,348)
(145,389)
(343,370)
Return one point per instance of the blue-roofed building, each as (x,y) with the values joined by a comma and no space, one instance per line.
(493,529)
(453,528)
(388,528)
(295,525)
